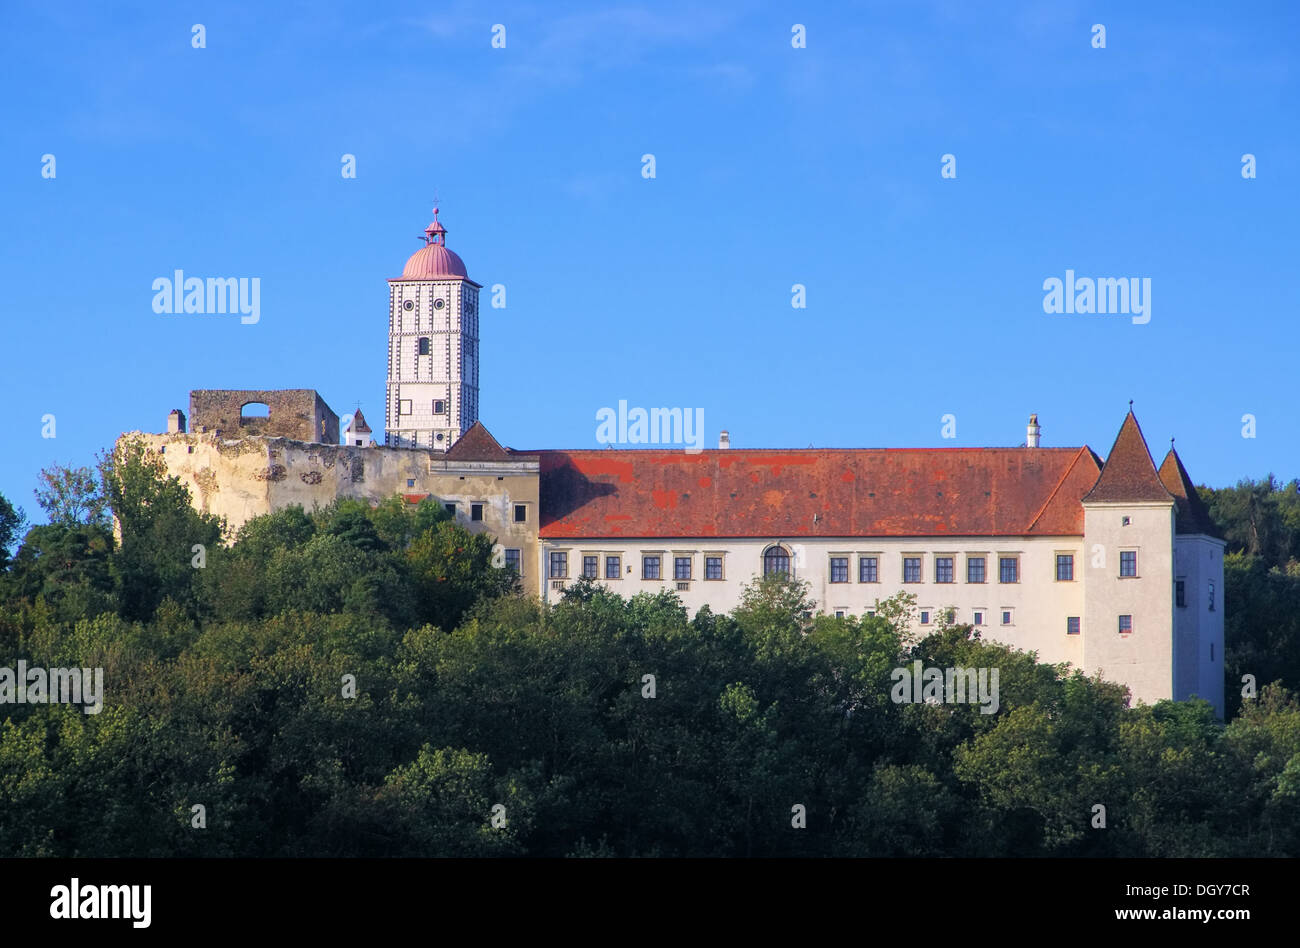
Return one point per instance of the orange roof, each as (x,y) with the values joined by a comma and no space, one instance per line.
(1192,517)
(895,492)
(1129,474)
(477,444)
(358,423)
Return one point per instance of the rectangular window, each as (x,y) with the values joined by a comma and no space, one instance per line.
(424,346)
(979,618)
(925,617)
(476,511)
(650,567)
(1064,567)
(839,569)
(1006,616)
(438,408)
(974,569)
(681,567)
(521,513)
(589,565)
(1008,569)
(450,508)
(868,570)
(1211,597)
(1180,593)
(559,565)
(613,567)
(513,560)
(713,567)
(911,569)
(404,406)
(943,569)
(839,614)
(1125,625)
(1072,625)
(410,482)
(1128,563)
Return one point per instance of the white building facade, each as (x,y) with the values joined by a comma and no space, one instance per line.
(1112,568)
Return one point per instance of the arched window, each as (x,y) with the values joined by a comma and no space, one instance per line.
(776,560)
(254,413)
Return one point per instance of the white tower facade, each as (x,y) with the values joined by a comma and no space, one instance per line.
(433,351)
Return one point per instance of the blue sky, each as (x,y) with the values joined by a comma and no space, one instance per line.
(774,166)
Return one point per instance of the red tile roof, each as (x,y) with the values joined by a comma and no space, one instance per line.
(477,444)
(359,423)
(1191,517)
(899,492)
(1129,473)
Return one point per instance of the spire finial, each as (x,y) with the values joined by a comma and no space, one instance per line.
(435,233)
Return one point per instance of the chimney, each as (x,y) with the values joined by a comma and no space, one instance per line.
(1032,432)
(724,441)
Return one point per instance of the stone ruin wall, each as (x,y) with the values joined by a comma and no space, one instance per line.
(297,413)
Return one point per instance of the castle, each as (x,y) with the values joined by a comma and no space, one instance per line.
(1111,566)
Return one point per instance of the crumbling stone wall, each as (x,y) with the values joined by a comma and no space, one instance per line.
(245,478)
(297,413)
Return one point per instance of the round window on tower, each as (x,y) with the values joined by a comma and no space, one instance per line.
(439,437)
(439,303)
(408,305)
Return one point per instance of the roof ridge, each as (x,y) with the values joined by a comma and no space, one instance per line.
(676,448)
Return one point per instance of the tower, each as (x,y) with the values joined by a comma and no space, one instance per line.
(1198,589)
(432,348)
(1128,588)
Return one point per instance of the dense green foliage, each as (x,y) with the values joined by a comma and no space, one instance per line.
(1260,520)
(227,687)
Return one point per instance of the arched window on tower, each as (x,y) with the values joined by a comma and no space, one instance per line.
(776,561)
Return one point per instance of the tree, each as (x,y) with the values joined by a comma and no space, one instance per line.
(159,529)
(452,568)
(1260,518)
(11,525)
(69,567)
(71,496)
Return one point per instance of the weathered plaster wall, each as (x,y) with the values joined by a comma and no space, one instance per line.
(242,479)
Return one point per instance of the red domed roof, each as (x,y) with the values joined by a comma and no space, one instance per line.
(434,261)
